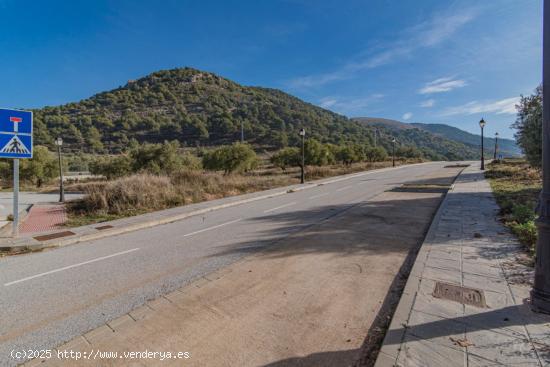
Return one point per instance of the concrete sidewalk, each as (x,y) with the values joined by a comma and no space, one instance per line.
(489,321)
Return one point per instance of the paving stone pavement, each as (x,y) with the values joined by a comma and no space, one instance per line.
(44,217)
(467,246)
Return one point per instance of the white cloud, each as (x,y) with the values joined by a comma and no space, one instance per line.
(505,106)
(407,116)
(428,103)
(429,33)
(349,105)
(327,102)
(442,85)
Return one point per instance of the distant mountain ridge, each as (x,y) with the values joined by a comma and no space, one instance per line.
(507,147)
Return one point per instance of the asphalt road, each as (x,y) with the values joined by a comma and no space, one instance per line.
(50,297)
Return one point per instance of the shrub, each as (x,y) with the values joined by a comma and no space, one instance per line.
(147,158)
(317,154)
(156,158)
(287,157)
(111,167)
(523,213)
(349,154)
(376,154)
(526,233)
(238,157)
(133,194)
(408,152)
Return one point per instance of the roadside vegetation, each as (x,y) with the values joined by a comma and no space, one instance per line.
(516,186)
(152,177)
(516,183)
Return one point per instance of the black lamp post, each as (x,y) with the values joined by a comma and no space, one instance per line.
(59,143)
(540,294)
(393,152)
(482,125)
(496,146)
(303,135)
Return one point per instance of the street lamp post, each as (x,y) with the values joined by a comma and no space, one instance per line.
(59,143)
(540,294)
(303,135)
(482,125)
(393,152)
(496,146)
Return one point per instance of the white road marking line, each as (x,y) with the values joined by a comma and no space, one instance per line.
(344,188)
(279,207)
(71,266)
(213,227)
(318,196)
(363,182)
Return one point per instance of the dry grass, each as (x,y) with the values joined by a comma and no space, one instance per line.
(142,193)
(516,187)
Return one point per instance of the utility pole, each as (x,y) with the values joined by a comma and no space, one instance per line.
(393,152)
(59,143)
(482,125)
(540,294)
(496,146)
(303,135)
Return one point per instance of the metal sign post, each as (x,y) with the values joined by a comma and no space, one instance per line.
(15,227)
(15,143)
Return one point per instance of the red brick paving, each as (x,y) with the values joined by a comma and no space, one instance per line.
(44,218)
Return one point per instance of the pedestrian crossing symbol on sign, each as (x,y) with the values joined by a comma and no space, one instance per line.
(15,146)
(15,134)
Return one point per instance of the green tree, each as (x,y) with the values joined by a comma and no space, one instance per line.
(231,158)
(41,168)
(287,157)
(528,127)
(317,154)
(348,154)
(157,158)
(376,154)
(111,167)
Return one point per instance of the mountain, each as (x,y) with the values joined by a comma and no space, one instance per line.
(201,108)
(194,107)
(507,147)
(432,146)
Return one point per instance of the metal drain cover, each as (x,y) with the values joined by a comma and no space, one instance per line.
(456,293)
(54,235)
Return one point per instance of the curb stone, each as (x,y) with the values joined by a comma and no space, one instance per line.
(388,353)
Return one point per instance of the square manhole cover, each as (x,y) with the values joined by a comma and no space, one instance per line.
(456,293)
(52,236)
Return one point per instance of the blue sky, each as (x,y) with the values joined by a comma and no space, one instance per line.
(417,61)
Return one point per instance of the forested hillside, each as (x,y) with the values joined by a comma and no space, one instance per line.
(193,107)
(431,146)
(200,108)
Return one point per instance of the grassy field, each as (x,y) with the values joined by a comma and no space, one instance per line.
(516,187)
(142,193)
